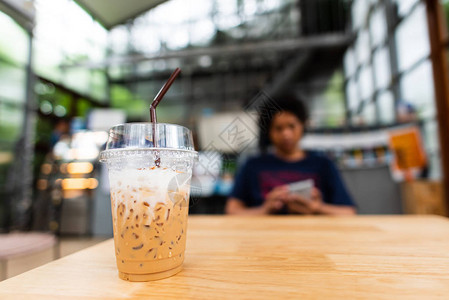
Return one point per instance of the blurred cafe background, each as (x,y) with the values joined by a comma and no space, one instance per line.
(374,74)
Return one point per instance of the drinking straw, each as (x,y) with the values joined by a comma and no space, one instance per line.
(153,106)
(161,94)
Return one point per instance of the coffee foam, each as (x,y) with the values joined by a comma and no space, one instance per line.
(157,181)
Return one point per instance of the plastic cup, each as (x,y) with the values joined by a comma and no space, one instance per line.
(149,202)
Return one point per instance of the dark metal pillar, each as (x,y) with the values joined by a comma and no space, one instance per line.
(438,35)
(392,21)
(21,179)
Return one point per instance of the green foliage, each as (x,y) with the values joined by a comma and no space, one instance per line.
(121,97)
(43,131)
(98,85)
(82,108)
(9,133)
(334,100)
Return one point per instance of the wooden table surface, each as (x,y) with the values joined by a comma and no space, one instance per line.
(269,258)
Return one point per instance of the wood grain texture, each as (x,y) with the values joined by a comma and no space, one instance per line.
(423,197)
(269,258)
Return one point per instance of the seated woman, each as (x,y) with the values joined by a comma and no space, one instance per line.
(261,183)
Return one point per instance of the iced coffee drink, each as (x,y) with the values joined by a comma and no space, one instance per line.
(149,208)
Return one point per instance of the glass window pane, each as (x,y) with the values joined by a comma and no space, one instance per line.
(362,47)
(11,119)
(366,82)
(385,104)
(13,41)
(378,27)
(12,83)
(381,63)
(369,113)
(75,34)
(98,85)
(201,32)
(417,90)
(332,100)
(77,79)
(46,61)
(412,38)
(352,95)
(430,135)
(118,40)
(359,12)
(430,138)
(62,38)
(404,6)
(349,62)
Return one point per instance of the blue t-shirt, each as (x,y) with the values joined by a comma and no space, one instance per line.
(259,175)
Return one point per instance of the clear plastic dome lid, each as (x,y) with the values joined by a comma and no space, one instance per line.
(140,138)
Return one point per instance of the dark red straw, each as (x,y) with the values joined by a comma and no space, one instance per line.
(161,94)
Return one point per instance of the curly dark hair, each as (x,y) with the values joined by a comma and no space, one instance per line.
(287,102)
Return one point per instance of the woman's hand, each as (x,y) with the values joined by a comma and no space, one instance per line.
(275,199)
(298,204)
